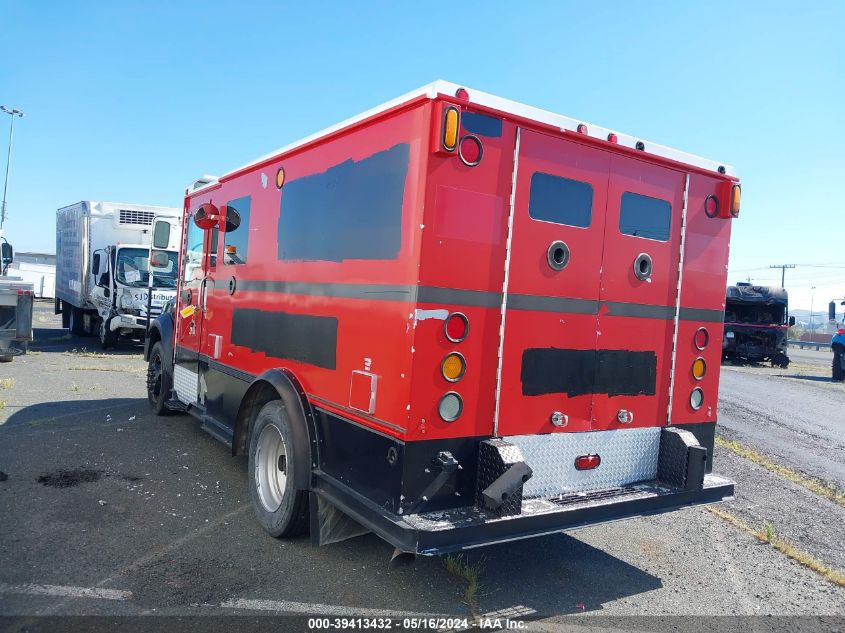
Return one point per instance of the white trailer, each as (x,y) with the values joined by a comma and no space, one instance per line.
(104,283)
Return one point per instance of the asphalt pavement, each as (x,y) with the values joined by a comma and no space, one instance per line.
(109,510)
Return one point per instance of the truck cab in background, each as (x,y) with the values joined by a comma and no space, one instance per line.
(106,285)
(756,324)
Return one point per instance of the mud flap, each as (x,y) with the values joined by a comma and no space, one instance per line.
(682,461)
(329,525)
(502,472)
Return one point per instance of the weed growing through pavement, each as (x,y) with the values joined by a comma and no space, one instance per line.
(470,572)
(74,387)
(84,352)
(6,384)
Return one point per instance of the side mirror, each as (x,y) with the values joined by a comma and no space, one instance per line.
(103,280)
(791,321)
(233,219)
(7,253)
(161,235)
(207,216)
(95,264)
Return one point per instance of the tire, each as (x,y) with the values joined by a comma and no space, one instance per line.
(159,382)
(107,337)
(65,311)
(75,322)
(281,509)
(838,371)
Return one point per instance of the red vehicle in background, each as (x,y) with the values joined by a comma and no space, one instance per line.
(456,320)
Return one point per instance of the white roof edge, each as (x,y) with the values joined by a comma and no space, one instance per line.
(478,97)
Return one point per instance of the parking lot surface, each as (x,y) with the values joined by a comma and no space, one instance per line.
(108,509)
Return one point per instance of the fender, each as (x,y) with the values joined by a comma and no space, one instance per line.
(281,384)
(161,329)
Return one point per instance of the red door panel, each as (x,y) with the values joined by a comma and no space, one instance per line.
(639,283)
(550,322)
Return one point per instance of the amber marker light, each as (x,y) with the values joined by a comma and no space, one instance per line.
(699,368)
(451,122)
(736,195)
(453,367)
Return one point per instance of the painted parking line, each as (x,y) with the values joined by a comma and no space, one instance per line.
(285,606)
(66,592)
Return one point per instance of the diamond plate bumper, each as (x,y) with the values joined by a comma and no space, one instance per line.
(469,527)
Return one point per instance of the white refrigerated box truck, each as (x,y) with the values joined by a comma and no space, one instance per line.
(105,285)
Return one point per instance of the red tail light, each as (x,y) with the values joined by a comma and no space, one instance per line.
(701,338)
(587,462)
(456,327)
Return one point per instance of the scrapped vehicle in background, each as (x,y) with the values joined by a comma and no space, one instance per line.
(455,320)
(106,282)
(756,325)
(16,297)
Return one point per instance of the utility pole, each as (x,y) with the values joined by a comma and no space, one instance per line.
(13,112)
(783,268)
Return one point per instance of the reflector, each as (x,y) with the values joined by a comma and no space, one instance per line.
(456,327)
(453,367)
(587,462)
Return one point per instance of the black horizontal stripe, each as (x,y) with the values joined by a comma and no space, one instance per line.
(479,299)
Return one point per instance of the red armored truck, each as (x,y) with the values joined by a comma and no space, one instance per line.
(455,320)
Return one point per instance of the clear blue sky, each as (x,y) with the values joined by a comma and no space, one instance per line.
(131,101)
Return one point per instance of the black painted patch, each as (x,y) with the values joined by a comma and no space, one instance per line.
(350,211)
(308,339)
(578,372)
(481,124)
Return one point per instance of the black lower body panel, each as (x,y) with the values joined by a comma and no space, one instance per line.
(443,531)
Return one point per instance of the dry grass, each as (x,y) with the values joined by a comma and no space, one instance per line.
(457,566)
(84,352)
(768,535)
(6,384)
(821,488)
(143,370)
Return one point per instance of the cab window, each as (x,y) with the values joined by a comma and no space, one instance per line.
(193,251)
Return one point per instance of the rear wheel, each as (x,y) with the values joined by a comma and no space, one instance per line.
(75,322)
(281,508)
(159,381)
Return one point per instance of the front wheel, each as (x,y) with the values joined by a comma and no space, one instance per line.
(107,337)
(281,508)
(159,381)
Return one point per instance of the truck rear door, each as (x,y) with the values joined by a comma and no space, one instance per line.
(553,286)
(591,290)
(639,286)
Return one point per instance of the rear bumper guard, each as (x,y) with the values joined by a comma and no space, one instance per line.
(446,531)
(507,515)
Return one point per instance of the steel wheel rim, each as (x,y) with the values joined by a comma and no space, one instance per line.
(270,480)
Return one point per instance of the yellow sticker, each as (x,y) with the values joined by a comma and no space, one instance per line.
(187,311)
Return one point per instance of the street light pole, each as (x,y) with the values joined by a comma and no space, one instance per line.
(13,112)
(812,297)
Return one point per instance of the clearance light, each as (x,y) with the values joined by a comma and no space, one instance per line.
(450,406)
(696,399)
(280,177)
(462,94)
(587,462)
(581,129)
(612,138)
(699,368)
(450,129)
(453,367)
(456,327)
(701,338)
(231,250)
(736,194)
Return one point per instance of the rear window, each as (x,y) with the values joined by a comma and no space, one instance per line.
(646,217)
(560,200)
